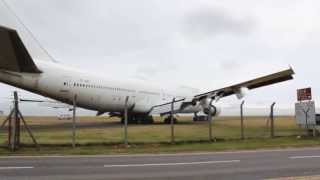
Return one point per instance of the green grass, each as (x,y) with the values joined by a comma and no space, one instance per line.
(94,149)
(101,136)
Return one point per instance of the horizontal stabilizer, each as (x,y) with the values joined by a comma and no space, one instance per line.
(13,54)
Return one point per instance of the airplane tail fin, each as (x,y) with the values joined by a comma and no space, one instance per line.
(14,56)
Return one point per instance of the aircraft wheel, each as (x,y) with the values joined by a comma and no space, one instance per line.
(168,120)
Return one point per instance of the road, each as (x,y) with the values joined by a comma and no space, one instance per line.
(229,165)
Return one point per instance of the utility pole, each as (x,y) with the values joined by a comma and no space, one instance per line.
(242,120)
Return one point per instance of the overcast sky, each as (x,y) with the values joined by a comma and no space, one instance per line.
(205,44)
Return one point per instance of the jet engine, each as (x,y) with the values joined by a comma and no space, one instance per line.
(208,107)
(242,92)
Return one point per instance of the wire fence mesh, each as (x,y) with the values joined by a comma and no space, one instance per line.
(104,130)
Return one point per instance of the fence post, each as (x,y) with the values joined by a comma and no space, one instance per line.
(126,122)
(242,120)
(210,121)
(172,121)
(272,120)
(14,123)
(74,121)
(17,120)
(314,131)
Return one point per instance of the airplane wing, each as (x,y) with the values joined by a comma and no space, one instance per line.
(226,91)
(252,84)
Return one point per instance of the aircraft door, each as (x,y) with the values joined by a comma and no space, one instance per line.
(65,88)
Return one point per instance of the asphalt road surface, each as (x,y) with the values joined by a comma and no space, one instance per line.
(230,165)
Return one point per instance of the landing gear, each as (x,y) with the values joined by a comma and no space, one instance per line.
(198,118)
(167,120)
(139,119)
(195,117)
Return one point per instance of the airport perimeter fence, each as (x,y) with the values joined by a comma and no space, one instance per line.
(105,130)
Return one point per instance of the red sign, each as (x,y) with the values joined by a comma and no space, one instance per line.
(304,94)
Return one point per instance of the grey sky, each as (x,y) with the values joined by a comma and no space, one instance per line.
(204,44)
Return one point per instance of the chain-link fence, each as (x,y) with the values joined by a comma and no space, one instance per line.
(104,130)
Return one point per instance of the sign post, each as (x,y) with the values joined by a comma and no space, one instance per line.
(305,109)
(306,114)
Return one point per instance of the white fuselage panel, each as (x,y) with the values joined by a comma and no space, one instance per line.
(94,93)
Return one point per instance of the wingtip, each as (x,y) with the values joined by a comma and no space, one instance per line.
(291,69)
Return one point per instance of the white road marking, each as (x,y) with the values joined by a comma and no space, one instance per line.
(172,164)
(316,177)
(8,168)
(303,157)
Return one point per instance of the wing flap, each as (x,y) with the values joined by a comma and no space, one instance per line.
(166,108)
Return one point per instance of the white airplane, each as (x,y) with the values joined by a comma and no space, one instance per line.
(62,83)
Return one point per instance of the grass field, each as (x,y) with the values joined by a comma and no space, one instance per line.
(100,135)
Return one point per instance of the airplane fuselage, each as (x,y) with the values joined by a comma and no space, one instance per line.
(94,93)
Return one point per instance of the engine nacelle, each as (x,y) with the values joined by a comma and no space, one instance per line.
(215,111)
(192,107)
(242,92)
(210,108)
